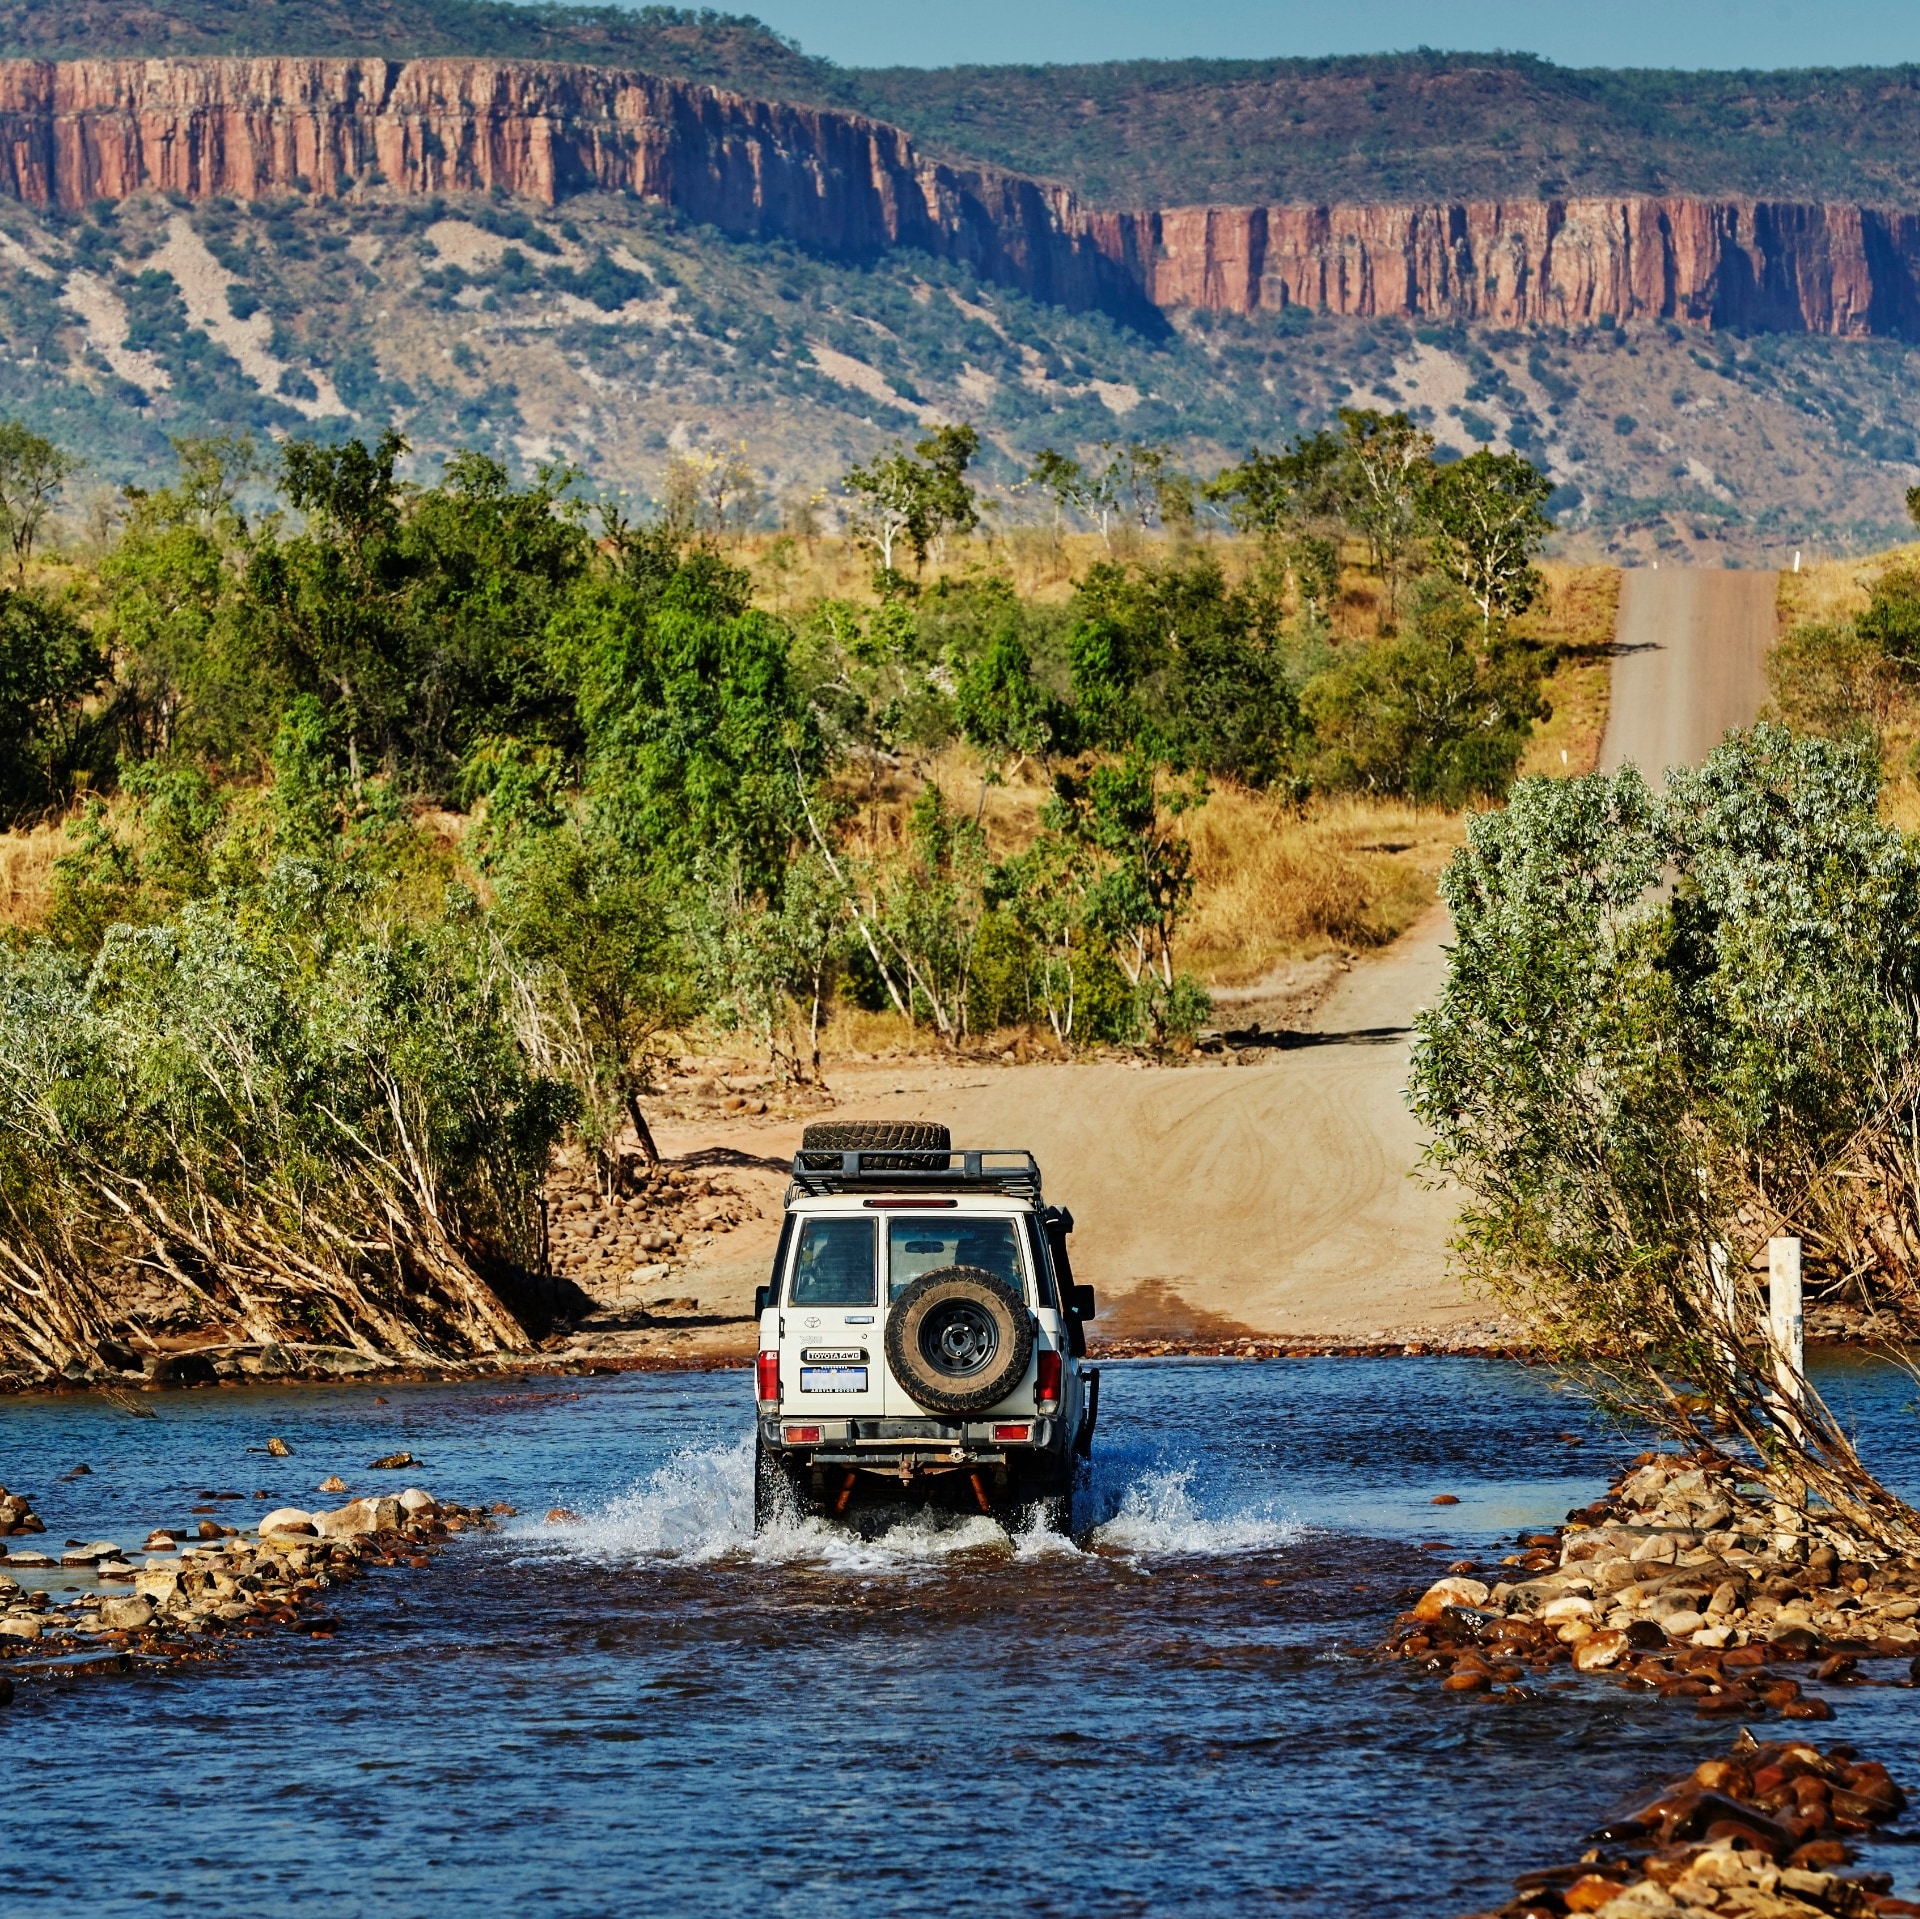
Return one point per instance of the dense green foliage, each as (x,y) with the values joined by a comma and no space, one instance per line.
(296,1050)
(1623,1077)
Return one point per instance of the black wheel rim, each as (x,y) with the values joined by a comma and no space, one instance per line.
(958,1338)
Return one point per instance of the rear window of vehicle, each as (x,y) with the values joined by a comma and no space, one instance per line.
(916,1246)
(834,1264)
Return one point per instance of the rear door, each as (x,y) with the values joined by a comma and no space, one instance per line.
(831,1365)
(916,1243)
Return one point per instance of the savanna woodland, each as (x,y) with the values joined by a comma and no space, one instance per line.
(402,831)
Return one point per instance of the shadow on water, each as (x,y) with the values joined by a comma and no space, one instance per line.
(1176,1712)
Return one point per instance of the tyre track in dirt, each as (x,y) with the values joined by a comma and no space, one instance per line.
(1277,1194)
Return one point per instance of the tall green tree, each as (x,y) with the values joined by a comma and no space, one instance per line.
(1488,514)
(33,474)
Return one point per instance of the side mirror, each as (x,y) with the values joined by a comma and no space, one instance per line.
(762,1299)
(1083,1303)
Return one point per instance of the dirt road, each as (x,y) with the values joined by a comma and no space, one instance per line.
(1276,1194)
(1692,645)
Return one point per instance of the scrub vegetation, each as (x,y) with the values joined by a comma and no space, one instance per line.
(370,838)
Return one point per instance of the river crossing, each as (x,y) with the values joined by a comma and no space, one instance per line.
(651,1711)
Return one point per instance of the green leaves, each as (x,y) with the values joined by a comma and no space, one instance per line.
(1488,514)
(1674,1022)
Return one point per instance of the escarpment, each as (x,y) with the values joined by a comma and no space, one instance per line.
(75,132)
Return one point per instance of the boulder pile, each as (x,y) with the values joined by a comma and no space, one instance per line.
(1684,1581)
(185,1600)
(1764,1833)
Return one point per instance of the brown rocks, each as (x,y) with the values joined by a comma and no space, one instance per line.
(333,1483)
(279,1449)
(1600,1650)
(128,1613)
(287,1519)
(17,1515)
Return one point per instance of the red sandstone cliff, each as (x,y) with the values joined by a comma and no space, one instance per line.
(1766,265)
(75,132)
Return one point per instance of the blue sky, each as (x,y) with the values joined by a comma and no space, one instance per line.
(1651,33)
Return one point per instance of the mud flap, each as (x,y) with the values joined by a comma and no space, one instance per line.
(1083,1440)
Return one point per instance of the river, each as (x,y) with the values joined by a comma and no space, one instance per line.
(652,1711)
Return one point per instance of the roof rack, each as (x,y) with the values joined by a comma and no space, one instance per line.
(992,1169)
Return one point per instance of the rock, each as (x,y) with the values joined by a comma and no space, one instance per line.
(20,1625)
(391,1462)
(332,1484)
(1682,1625)
(38,1561)
(1600,1650)
(563,1516)
(1590,1892)
(126,1613)
(1444,1499)
(418,1504)
(1712,1637)
(342,1523)
(286,1519)
(382,1515)
(1567,1606)
(6,1690)
(112,1569)
(279,1449)
(1472,1680)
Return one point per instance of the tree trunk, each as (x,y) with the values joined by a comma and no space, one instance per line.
(641,1130)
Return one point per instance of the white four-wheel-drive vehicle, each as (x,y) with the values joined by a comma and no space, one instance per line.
(921,1335)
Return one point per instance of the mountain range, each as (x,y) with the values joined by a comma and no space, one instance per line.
(600,236)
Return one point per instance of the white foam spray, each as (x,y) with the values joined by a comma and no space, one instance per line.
(697,1508)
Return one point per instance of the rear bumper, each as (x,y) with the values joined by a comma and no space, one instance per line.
(886,1444)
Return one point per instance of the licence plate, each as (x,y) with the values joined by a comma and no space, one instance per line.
(833,1379)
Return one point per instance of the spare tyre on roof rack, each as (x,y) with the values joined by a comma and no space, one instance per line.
(915,1139)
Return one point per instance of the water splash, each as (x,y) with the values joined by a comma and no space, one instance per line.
(1156,1511)
(697,1509)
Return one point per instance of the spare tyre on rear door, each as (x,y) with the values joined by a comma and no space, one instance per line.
(823,1142)
(958,1340)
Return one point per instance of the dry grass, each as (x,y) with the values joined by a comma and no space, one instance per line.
(1576,613)
(1836,589)
(1273,883)
(27,855)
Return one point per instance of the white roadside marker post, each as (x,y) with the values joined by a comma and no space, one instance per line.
(1786,1334)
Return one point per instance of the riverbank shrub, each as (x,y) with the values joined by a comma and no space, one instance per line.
(1674,1023)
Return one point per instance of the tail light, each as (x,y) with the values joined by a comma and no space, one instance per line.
(1021,1433)
(800,1435)
(766,1374)
(1046,1384)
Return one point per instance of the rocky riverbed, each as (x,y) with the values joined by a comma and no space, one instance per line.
(1767,1832)
(195,1590)
(1677,1580)
(1685,1580)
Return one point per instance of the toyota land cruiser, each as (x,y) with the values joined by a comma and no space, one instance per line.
(922,1334)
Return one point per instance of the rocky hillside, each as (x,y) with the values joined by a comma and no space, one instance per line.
(607,332)
(74,133)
